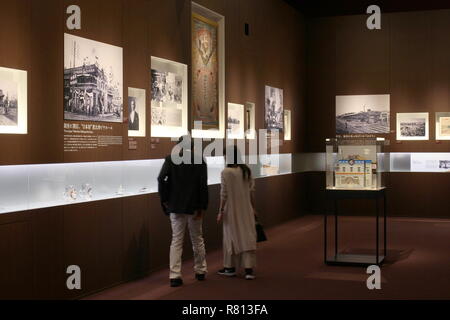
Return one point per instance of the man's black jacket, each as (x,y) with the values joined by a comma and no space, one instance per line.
(183,188)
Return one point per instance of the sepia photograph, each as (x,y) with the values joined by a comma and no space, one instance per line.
(93,80)
(363,114)
(442,125)
(445,126)
(274,109)
(287,125)
(412,126)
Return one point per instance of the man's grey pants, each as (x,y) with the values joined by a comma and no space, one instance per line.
(179,223)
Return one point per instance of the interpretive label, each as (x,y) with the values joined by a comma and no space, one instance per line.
(80,137)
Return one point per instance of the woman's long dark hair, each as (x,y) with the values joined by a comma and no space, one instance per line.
(236,162)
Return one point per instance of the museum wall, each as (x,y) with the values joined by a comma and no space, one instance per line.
(408,59)
(117,240)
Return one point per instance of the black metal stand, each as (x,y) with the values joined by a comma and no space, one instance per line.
(352,259)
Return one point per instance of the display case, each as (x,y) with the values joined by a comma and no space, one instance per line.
(356,163)
(29,187)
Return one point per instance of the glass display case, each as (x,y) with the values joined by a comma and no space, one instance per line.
(28,187)
(356,163)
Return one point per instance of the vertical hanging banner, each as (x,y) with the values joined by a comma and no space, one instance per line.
(205,68)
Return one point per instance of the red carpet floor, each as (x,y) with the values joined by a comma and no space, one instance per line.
(290,266)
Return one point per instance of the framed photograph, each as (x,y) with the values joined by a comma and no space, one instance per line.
(208,73)
(287,125)
(136,112)
(363,114)
(274,109)
(413,126)
(169,91)
(250,121)
(13,101)
(93,80)
(235,121)
(442,125)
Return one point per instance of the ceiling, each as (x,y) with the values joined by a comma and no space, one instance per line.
(319,8)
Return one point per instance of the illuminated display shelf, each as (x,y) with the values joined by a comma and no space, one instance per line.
(29,187)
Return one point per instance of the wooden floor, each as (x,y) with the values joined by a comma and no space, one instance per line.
(290,266)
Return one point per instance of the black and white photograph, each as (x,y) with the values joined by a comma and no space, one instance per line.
(136,112)
(167,87)
(412,126)
(93,80)
(235,121)
(274,109)
(169,112)
(363,114)
(8,103)
(13,101)
(444,164)
(287,125)
(133,118)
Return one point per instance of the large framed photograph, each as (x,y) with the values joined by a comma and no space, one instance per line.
(363,114)
(13,101)
(169,91)
(442,125)
(236,129)
(208,73)
(274,108)
(136,112)
(413,126)
(93,80)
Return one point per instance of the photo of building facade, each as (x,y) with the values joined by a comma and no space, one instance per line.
(92,81)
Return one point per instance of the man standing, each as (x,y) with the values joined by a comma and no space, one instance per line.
(183,188)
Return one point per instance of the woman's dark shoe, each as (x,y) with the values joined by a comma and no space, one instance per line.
(176,282)
(200,276)
(228,272)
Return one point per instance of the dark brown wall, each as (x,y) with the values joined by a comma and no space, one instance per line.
(118,240)
(408,59)
(273,55)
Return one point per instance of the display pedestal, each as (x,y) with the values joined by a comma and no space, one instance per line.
(337,258)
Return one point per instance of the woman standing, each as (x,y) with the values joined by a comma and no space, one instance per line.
(238,216)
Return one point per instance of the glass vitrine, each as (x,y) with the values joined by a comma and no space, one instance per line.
(356,163)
